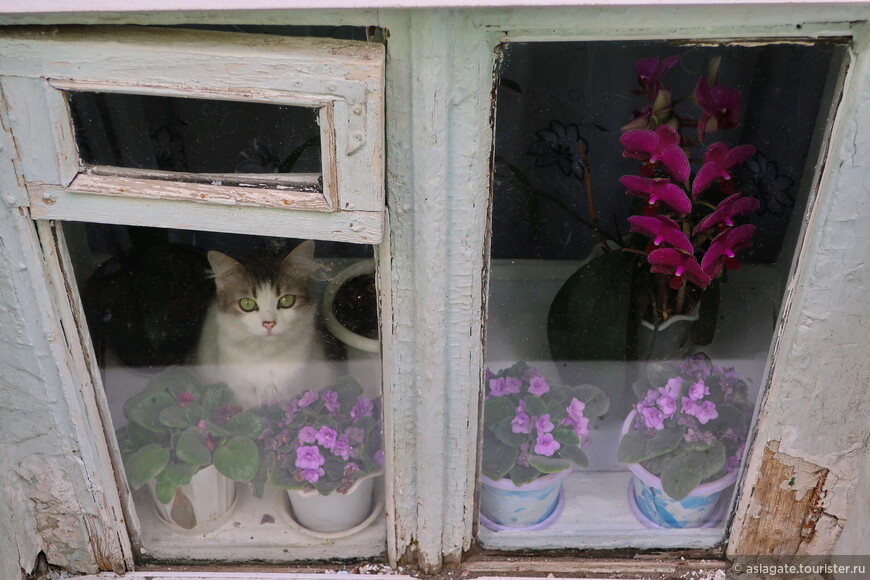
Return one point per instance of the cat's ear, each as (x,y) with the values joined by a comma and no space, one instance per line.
(223,266)
(301,260)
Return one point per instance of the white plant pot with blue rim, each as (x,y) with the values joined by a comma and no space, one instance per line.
(336,512)
(657,509)
(533,505)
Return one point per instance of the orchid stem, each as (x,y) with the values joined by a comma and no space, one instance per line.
(590,203)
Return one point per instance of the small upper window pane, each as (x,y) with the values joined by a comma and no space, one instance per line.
(195,135)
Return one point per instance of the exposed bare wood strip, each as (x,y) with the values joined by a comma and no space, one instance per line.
(214,193)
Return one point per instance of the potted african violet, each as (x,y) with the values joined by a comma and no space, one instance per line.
(532,438)
(189,443)
(684,440)
(325,448)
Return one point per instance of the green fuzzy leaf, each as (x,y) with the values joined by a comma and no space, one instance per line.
(174,381)
(215,429)
(238,459)
(659,373)
(164,491)
(636,447)
(326,486)
(178,473)
(521,475)
(596,401)
(174,417)
(535,406)
(348,390)
(334,467)
(194,413)
(145,463)
(507,436)
(566,437)
(245,425)
(549,464)
(687,471)
(575,455)
(498,458)
(283,479)
(144,409)
(215,396)
(496,409)
(191,447)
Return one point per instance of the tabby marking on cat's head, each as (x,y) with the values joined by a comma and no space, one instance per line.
(264,299)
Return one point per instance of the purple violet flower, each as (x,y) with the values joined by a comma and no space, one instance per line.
(513,385)
(307,434)
(521,424)
(659,146)
(661,229)
(379,457)
(546,444)
(497,387)
(326,437)
(704,412)
(698,391)
(363,408)
(543,424)
(653,418)
(312,474)
(657,190)
(581,427)
(538,386)
(718,163)
(308,457)
(342,447)
(350,469)
(307,398)
(575,409)
(330,399)
(184,398)
(672,387)
(667,405)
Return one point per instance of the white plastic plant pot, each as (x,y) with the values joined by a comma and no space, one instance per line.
(363,353)
(201,506)
(532,506)
(335,513)
(670,340)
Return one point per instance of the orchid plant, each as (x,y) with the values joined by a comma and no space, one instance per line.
(177,426)
(322,441)
(690,424)
(689,218)
(533,427)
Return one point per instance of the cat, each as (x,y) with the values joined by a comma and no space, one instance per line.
(260,335)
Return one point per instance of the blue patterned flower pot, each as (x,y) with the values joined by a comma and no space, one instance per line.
(530,506)
(658,509)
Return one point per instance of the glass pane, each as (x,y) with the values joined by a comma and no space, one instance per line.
(648,199)
(243,379)
(195,135)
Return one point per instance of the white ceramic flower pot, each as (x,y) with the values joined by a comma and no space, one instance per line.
(201,506)
(533,505)
(363,353)
(656,509)
(335,512)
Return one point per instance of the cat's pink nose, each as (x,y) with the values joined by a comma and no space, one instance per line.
(269,324)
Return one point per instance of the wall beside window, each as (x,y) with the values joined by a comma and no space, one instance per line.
(812,423)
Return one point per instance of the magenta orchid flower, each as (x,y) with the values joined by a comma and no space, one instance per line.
(720,106)
(718,161)
(725,246)
(726,211)
(659,146)
(680,265)
(658,190)
(649,71)
(663,230)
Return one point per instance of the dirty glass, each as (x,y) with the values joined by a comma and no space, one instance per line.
(648,201)
(194,135)
(242,379)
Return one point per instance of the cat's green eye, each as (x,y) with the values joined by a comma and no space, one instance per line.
(286,301)
(248,304)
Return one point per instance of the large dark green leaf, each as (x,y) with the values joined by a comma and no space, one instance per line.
(636,447)
(590,319)
(597,402)
(549,464)
(688,470)
(496,409)
(704,329)
(575,455)
(505,433)
(191,447)
(145,464)
(498,459)
(144,409)
(174,380)
(238,459)
(245,425)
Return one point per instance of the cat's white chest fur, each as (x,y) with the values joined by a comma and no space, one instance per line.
(261,370)
(259,335)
